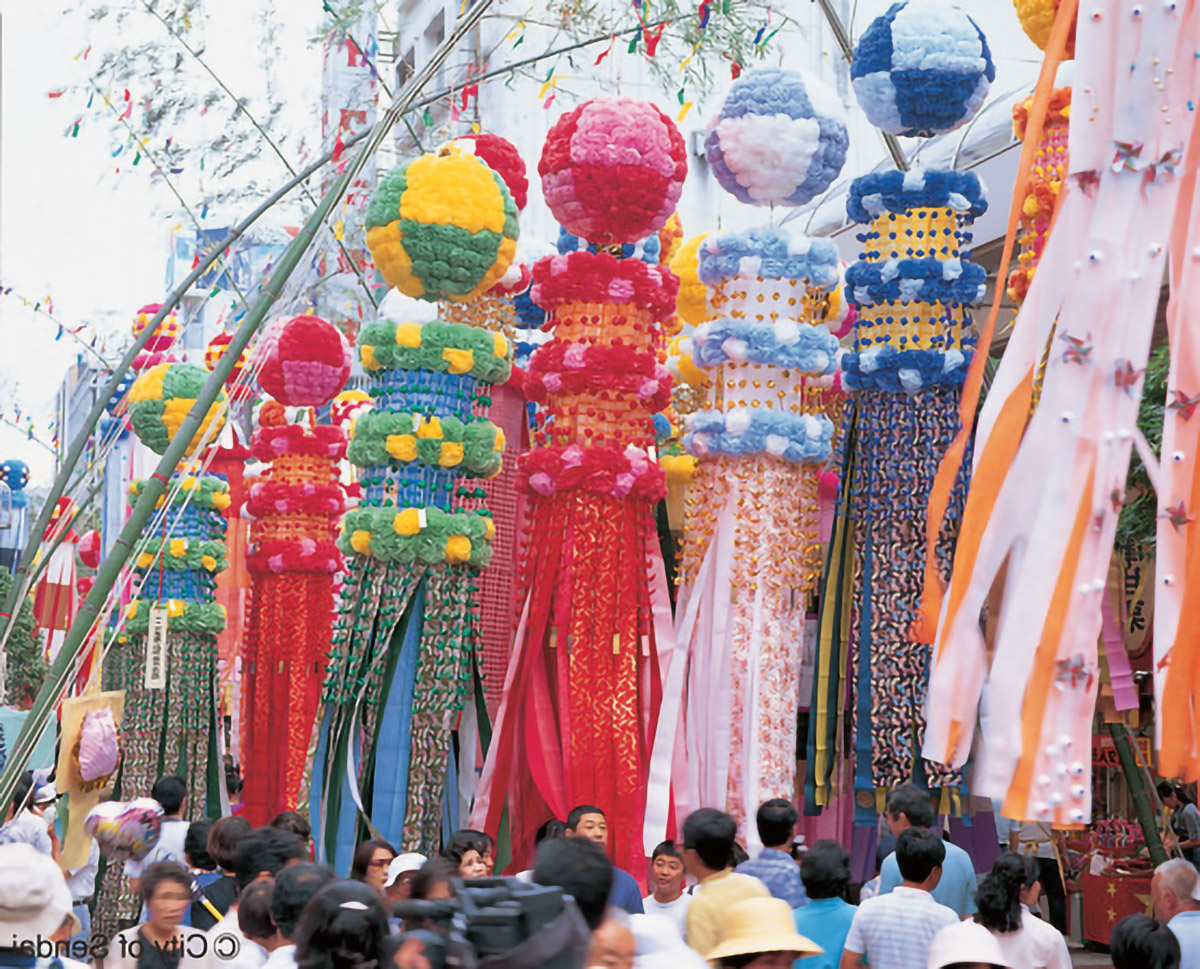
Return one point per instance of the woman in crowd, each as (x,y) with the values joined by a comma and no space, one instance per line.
(161,941)
(343,926)
(370,863)
(466,852)
(433,881)
(1004,899)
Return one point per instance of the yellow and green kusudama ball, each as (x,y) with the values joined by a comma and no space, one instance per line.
(442,227)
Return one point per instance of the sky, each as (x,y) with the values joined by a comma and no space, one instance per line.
(72,227)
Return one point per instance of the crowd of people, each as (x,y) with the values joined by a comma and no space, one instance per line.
(224,893)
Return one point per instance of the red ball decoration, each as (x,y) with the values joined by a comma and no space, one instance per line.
(212,355)
(612,170)
(305,362)
(89,549)
(501,156)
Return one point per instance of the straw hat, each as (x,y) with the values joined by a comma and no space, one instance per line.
(761,925)
(965,942)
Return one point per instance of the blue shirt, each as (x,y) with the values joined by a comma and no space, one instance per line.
(779,872)
(826,921)
(1186,926)
(625,893)
(956,890)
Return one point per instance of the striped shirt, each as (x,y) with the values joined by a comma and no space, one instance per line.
(894,930)
(779,872)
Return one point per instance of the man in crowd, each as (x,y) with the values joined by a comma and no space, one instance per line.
(171,794)
(262,854)
(31,818)
(708,836)
(579,866)
(827,916)
(1174,890)
(908,807)
(1185,821)
(774,866)
(588,821)
(894,931)
(294,886)
(668,897)
(34,903)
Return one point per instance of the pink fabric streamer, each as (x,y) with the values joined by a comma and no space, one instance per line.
(1120,674)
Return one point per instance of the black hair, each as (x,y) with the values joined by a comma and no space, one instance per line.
(195,846)
(737,962)
(581,869)
(738,855)
(776,822)
(486,841)
(363,855)
(21,793)
(344,926)
(266,850)
(1165,789)
(294,822)
(918,852)
(225,837)
(159,872)
(436,871)
(170,792)
(1140,942)
(710,833)
(254,911)
(577,814)
(666,848)
(825,870)
(294,886)
(553,828)
(233,779)
(998,897)
(460,843)
(911,801)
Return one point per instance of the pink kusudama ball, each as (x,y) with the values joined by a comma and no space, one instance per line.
(306,362)
(612,170)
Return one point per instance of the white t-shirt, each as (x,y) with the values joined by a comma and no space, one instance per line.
(282,958)
(27,828)
(1035,945)
(249,955)
(81,881)
(169,847)
(676,911)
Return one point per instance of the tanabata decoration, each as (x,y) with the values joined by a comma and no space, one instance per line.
(752,548)
(912,289)
(234,387)
(1043,189)
(1037,17)
(780,138)
(160,400)
(442,227)
(165,334)
(56,596)
(581,690)
(294,505)
(125,830)
(500,155)
(612,170)
(1046,512)
(402,676)
(922,68)
(15,474)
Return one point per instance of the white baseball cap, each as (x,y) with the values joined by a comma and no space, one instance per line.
(966,942)
(34,900)
(401,864)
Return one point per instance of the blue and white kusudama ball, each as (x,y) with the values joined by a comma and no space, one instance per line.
(780,138)
(921,69)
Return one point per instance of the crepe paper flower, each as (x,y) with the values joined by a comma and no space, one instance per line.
(500,155)
(165,334)
(899,192)
(393,439)
(1037,17)
(427,536)
(692,302)
(208,491)
(768,253)
(780,138)
(791,437)
(587,277)
(647,250)
(198,618)
(786,344)
(438,347)
(904,371)
(922,68)
(160,400)
(606,471)
(612,170)
(212,356)
(952,282)
(442,227)
(305,362)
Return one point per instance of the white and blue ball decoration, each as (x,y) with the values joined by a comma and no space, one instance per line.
(922,69)
(780,138)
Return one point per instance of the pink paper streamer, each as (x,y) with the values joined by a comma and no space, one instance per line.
(1120,674)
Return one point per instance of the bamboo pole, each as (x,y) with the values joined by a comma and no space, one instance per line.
(21,583)
(155,486)
(1140,793)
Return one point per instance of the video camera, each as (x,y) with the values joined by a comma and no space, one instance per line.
(497,923)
